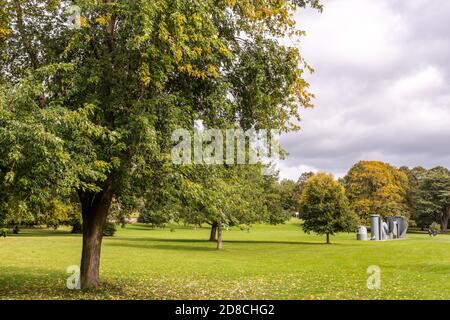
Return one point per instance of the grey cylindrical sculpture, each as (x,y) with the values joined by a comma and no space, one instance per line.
(362,233)
(403,228)
(384,230)
(375,226)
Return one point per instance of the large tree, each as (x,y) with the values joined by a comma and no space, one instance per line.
(414,177)
(87,107)
(375,187)
(287,190)
(325,208)
(228,196)
(431,198)
(298,189)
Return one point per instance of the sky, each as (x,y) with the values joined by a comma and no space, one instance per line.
(381,80)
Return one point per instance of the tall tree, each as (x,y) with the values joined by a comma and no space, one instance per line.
(431,199)
(89,109)
(325,207)
(414,177)
(224,196)
(287,190)
(299,185)
(375,187)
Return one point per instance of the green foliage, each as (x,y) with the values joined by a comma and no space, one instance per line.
(90,109)
(230,195)
(435,226)
(298,189)
(375,187)
(325,208)
(120,211)
(287,190)
(227,195)
(277,199)
(431,197)
(109,229)
(414,176)
(77,226)
(154,218)
(3,232)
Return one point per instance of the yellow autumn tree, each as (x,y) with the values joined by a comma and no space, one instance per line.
(375,187)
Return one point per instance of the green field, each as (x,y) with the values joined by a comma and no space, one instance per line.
(269,262)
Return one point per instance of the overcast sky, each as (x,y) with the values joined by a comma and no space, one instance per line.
(381,85)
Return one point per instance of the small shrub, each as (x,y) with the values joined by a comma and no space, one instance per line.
(434,228)
(244,227)
(109,229)
(156,219)
(3,232)
(76,227)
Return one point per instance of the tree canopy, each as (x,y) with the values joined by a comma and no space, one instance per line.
(374,187)
(325,208)
(431,197)
(88,103)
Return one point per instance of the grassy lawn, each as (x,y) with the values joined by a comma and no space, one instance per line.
(276,262)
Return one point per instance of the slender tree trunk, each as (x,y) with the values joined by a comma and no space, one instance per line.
(123,222)
(328,238)
(212,236)
(444,220)
(219,237)
(95,208)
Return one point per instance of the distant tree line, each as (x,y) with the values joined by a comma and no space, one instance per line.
(218,196)
(372,187)
(225,196)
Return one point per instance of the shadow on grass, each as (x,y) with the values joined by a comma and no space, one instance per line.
(41,283)
(153,245)
(142,226)
(424,232)
(43,233)
(177,244)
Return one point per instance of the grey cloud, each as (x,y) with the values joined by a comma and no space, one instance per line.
(381,81)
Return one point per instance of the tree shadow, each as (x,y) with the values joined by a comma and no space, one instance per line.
(42,283)
(43,233)
(155,245)
(166,240)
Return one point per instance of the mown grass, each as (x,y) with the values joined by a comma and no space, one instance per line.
(269,262)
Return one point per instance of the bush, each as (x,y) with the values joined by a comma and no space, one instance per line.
(435,226)
(76,227)
(154,218)
(4,232)
(109,229)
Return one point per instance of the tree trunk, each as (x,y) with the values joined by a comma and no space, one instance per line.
(219,237)
(123,222)
(212,236)
(444,220)
(328,238)
(95,208)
